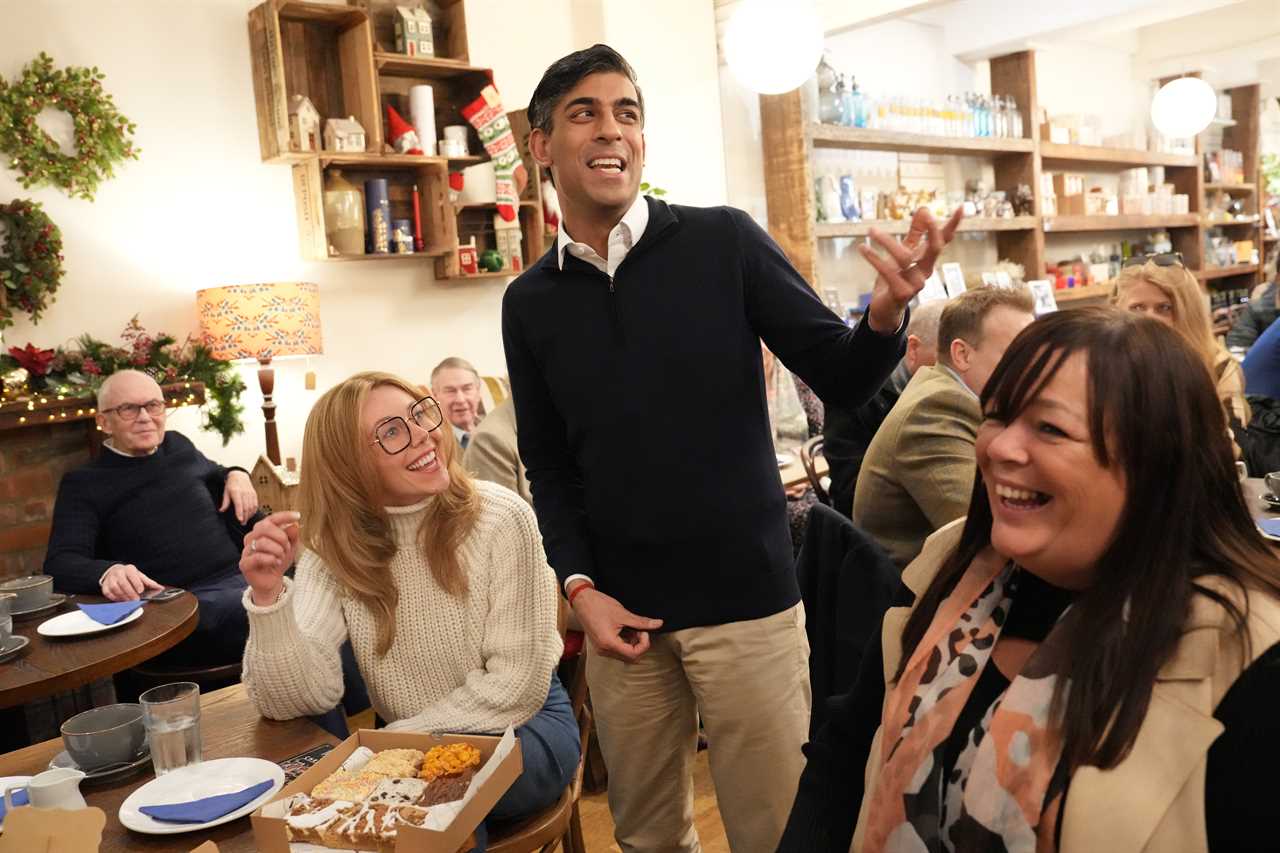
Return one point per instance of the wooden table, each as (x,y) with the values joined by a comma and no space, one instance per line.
(793,474)
(230,728)
(48,666)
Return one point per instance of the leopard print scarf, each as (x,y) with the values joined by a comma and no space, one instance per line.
(997,796)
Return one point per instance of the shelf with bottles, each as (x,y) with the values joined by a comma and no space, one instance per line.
(1101,290)
(835,100)
(856,138)
(1072,224)
(826,230)
(1056,156)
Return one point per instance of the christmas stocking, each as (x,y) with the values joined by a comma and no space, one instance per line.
(489,119)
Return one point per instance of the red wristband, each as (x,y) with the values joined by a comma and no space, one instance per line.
(579,588)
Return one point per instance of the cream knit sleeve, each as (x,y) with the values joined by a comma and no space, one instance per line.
(521,643)
(292,666)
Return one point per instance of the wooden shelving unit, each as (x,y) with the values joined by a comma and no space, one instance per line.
(1240,134)
(790,138)
(1214,273)
(341,57)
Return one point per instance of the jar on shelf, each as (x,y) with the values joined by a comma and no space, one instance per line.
(343,215)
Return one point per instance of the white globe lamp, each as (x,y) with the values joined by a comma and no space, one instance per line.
(1183,107)
(772,46)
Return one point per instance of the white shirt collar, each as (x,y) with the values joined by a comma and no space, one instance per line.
(958,378)
(109,446)
(622,239)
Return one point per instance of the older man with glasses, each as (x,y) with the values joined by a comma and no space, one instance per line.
(151,512)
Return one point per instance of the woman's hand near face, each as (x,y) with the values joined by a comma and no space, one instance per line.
(268,552)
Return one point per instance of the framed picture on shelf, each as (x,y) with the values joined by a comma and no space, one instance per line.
(954,278)
(1042,290)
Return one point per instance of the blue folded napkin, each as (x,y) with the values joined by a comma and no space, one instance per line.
(19,799)
(210,808)
(109,614)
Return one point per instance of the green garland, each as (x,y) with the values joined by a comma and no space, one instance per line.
(80,370)
(31,268)
(103,135)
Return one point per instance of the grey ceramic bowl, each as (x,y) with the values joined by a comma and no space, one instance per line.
(32,591)
(106,735)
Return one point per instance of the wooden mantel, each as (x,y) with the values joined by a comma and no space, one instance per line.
(43,409)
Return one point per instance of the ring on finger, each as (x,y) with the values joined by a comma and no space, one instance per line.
(253,545)
(909,267)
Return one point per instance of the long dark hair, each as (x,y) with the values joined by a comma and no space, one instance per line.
(1153,411)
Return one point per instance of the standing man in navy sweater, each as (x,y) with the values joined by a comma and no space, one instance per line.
(668,528)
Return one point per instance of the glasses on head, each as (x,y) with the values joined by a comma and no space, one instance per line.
(393,434)
(1162,259)
(130,411)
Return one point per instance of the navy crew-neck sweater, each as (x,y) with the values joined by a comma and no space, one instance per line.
(158,512)
(642,413)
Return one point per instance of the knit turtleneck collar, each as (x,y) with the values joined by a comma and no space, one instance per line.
(405,520)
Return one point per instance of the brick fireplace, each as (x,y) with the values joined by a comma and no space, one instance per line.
(32,462)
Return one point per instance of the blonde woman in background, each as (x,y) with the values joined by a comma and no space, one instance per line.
(1161,287)
(439,581)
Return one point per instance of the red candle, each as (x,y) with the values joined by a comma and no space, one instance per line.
(418,245)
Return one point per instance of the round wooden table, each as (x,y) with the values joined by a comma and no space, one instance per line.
(49,666)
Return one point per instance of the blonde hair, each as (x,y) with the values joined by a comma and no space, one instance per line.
(344,521)
(1190,313)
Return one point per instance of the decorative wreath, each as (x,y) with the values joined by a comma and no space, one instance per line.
(31,268)
(103,135)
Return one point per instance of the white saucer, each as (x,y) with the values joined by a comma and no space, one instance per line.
(77,624)
(9,782)
(194,782)
(15,644)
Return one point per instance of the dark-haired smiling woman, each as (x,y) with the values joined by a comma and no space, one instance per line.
(1091,661)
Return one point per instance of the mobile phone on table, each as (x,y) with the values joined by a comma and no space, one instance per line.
(299,764)
(167,594)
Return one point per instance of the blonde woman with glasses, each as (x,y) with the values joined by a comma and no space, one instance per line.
(439,581)
(1161,287)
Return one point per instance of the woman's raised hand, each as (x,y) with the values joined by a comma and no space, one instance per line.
(268,552)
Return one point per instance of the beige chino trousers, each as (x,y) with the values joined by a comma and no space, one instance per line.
(749,681)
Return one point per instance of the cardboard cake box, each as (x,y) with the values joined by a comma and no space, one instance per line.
(271,834)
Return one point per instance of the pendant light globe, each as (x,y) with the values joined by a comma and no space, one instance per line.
(773,46)
(1183,107)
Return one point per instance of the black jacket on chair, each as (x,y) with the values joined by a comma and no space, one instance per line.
(847,581)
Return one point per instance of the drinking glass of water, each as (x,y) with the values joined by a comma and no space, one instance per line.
(171,713)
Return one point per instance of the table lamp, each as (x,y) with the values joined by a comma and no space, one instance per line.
(262,322)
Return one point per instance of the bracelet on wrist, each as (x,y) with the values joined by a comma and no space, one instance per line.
(573,593)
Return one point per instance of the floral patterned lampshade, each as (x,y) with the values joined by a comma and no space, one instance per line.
(261,321)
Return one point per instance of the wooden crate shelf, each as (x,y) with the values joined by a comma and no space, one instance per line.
(423,68)
(1073,224)
(1101,290)
(901,226)
(1057,156)
(392,161)
(855,138)
(1231,188)
(1214,273)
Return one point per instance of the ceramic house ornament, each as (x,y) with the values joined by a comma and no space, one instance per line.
(343,134)
(304,124)
(413,32)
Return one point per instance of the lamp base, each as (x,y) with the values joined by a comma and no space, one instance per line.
(267,381)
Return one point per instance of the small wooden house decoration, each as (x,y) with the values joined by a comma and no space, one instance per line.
(304,124)
(413,32)
(507,239)
(277,487)
(343,134)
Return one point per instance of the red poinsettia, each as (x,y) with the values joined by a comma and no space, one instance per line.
(34,361)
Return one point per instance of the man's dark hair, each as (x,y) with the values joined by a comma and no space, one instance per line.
(567,72)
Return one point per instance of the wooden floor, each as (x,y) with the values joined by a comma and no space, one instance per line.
(597,825)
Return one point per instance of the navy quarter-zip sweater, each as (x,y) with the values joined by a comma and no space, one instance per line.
(642,413)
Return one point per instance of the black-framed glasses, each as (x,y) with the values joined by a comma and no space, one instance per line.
(130,411)
(393,434)
(1161,259)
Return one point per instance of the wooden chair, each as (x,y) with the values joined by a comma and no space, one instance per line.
(150,674)
(560,824)
(809,452)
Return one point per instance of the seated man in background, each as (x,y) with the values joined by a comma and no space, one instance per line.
(492,454)
(918,471)
(455,384)
(1255,319)
(848,432)
(151,511)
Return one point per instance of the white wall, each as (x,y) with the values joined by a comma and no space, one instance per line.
(201,209)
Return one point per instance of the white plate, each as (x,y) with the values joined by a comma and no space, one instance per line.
(76,624)
(9,782)
(195,782)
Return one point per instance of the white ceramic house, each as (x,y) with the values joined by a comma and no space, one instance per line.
(343,134)
(304,124)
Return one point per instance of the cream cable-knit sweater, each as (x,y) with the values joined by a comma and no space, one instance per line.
(477,665)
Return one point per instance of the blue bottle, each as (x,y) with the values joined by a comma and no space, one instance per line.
(849,199)
(377,206)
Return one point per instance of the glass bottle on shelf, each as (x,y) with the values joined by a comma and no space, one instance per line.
(828,104)
(858,116)
(1015,116)
(842,102)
